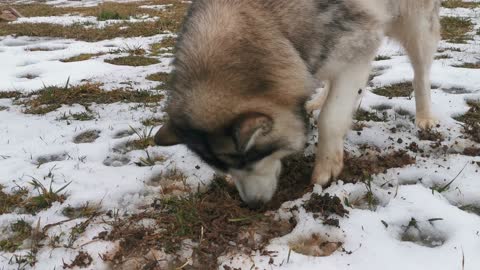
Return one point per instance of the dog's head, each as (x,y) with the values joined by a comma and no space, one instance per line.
(237,97)
(249,146)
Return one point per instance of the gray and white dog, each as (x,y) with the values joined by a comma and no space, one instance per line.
(244,70)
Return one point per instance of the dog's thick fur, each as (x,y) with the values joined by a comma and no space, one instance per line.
(245,68)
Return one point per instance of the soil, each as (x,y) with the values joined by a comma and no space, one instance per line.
(363,167)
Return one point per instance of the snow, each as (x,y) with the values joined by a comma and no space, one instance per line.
(367,242)
(19,60)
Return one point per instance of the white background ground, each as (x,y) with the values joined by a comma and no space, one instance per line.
(24,138)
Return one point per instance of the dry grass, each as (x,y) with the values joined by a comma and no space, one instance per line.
(455,30)
(170,21)
(21,231)
(159,77)
(469,65)
(10,94)
(459,4)
(167,45)
(52,98)
(124,10)
(133,60)
(145,139)
(81,57)
(396,90)
(85,211)
(10,201)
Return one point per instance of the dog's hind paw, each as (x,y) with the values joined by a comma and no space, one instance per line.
(426,122)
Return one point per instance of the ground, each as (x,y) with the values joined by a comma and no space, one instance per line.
(82,90)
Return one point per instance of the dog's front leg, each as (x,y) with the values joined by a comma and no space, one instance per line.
(335,120)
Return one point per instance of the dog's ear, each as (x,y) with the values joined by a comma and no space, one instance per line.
(166,136)
(248,128)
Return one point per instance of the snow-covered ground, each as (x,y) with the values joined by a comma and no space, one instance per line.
(105,173)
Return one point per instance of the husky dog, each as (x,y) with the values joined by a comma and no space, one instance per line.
(244,70)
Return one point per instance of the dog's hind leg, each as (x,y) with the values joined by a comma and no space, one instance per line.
(336,118)
(419,34)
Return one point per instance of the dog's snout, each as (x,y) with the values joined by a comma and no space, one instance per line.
(254,205)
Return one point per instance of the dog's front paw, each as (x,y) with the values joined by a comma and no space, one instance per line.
(426,122)
(327,167)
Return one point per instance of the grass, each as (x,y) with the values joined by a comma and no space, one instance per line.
(105,15)
(85,211)
(404,89)
(471,121)
(442,56)
(469,65)
(153,121)
(133,60)
(21,231)
(53,97)
(83,116)
(10,201)
(145,139)
(382,57)
(170,21)
(10,94)
(363,115)
(459,4)
(455,30)
(167,45)
(124,10)
(81,57)
(162,77)
(150,161)
(45,198)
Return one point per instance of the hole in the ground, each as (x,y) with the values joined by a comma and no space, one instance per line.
(315,245)
(422,233)
(116,161)
(50,158)
(123,133)
(87,137)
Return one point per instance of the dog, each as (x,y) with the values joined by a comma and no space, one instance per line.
(245,69)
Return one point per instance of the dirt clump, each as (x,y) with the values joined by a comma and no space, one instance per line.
(326,205)
(363,167)
(472,151)
(471,121)
(430,135)
(82,260)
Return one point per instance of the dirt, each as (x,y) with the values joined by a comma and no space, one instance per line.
(430,135)
(372,162)
(471,121)
(294,182)
(216,221)
(326,205)
(472,151)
